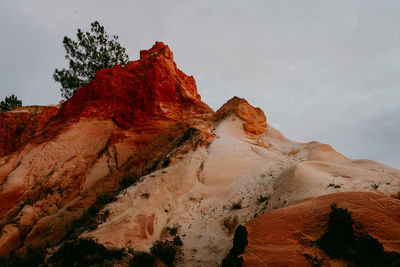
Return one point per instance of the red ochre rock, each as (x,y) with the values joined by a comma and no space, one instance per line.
(18,126)
(150,87)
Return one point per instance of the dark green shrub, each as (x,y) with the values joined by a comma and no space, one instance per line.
(342,242)
(239,244)
(177,241)
(166,252)
(339,234)
(145,195)
(33,257)
(128,180)
(174,229)
(142,259)
(84,252)
(166,163)
(236,205)
(369,251)
(9,103)
(375,186)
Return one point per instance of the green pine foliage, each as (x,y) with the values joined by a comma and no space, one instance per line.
(91,52)
(9,103)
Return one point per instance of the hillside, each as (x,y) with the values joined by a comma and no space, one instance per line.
(136,157)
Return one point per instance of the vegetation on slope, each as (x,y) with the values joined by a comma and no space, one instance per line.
(341,241)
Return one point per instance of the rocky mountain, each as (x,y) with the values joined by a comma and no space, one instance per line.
(135,170)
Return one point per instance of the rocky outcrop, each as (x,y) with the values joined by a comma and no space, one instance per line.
(150,87)
(254,120)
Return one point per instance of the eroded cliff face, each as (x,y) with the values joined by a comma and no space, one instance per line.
(17,128)
(57,161)
(135,157)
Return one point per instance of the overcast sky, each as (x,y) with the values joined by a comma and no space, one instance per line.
(320,70)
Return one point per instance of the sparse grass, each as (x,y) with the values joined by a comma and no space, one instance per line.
(333,185)
(236,205)
(263,198)
(145,195)
(173,230)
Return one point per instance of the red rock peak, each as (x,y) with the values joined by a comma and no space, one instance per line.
(150,87)
(158,49)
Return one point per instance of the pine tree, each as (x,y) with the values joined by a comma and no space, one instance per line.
(91,52)
(9,103)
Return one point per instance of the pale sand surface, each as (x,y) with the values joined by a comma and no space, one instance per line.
(196,193)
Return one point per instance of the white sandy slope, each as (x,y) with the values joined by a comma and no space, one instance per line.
(197,191)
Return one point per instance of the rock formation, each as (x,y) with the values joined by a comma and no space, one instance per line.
(135,157)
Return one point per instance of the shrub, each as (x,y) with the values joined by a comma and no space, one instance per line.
(239,244)
(145,195)
(375,186)
(142,259)
(166,252)
(263,198)
(236,205)
(9,103)
(177,241)
(174,229)
(341,241)
(33,257)
(128,180)
(340,233)
(84,252)
(333,185)
(166,163)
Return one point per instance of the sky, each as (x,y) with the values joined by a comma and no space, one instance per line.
(320,69)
